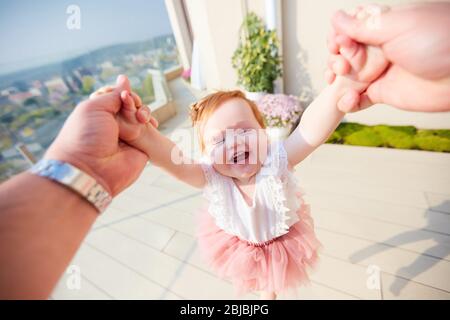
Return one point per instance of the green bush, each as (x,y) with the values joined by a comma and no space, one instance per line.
(440,133)
(409,130)
(335,137)
(398,137)
(433,140)
(365,137)
(346,128)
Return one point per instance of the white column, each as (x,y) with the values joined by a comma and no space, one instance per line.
(273,21)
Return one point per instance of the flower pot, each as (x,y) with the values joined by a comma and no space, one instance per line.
(254,96)
(278,133)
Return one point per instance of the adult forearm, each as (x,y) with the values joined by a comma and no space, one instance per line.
(42,224)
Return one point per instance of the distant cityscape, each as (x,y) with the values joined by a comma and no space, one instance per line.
(34,103)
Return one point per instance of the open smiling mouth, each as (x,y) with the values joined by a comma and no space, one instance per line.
(240,157)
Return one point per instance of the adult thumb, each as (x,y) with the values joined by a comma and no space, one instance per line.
(371,29)
(122,83)
(110,101)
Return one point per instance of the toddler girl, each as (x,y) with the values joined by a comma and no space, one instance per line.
(256,229)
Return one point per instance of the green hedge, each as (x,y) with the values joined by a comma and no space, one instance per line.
(398,137)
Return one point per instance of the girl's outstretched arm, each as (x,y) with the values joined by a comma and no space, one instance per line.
(319,120)
(165,153)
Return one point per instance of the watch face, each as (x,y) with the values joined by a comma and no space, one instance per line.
(62,171)
(51,168)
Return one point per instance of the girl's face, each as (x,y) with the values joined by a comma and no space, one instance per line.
(234,140)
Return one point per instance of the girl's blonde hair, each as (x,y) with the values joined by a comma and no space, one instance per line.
(201,110)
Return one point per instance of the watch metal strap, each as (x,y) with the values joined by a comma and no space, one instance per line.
(75,179)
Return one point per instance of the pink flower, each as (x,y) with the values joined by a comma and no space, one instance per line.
(279,109)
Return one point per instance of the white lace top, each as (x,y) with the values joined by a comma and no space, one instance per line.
(274,201)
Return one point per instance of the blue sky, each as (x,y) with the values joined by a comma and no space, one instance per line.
(34,32)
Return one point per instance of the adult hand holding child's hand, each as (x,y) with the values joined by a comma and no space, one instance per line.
(414,40)
(90,140)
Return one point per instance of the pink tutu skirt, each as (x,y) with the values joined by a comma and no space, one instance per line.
(280,265)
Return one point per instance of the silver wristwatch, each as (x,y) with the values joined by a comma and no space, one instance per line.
(74,179)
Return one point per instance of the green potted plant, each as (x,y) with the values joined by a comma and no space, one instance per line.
(257,58)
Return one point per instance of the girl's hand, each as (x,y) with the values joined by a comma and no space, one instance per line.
(142,112)
(360,63)
(132,117)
